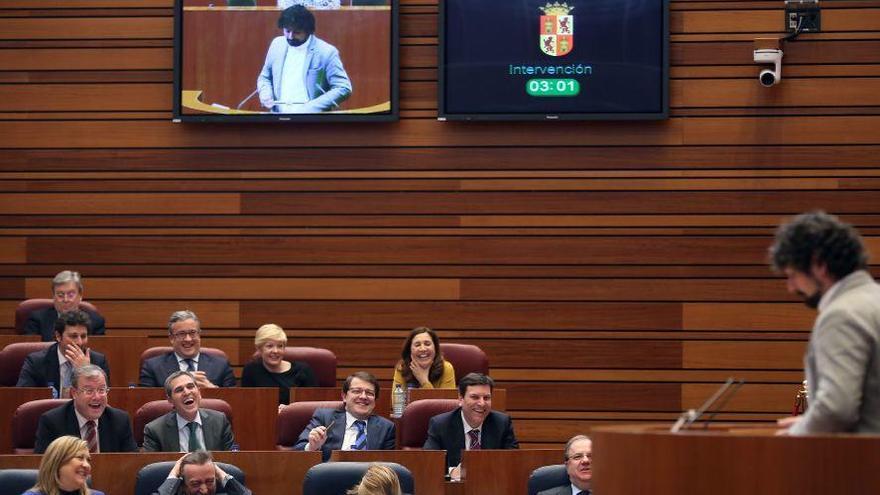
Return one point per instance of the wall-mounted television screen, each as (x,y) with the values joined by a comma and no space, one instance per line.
(285,60)
(540,59)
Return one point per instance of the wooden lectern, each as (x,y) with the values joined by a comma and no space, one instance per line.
(746,460)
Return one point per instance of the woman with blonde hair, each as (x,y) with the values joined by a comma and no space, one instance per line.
(64,469)
(270,369)
(378,480)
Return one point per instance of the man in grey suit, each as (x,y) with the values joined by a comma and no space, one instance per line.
(302,73)
(197,474)
(187,428)
(825,263)
(184,332)
(578,465)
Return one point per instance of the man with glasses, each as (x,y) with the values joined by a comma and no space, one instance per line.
(197,474)
(87,416)
(184,332)
(354,426)
(54,365)
(67,292)
(578,465)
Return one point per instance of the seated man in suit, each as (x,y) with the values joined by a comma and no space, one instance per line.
(184,331)
(87,416)
(187,428)
(196,470)
(578,461)
(54,365)
(67,292)
(473,425)
(354,427)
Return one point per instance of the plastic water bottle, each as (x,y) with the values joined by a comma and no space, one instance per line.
(398,401)
(53,390)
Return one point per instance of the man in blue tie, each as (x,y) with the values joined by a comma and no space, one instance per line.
(578,465)
(184,332)
(354,427)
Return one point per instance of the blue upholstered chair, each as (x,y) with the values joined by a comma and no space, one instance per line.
(336,478)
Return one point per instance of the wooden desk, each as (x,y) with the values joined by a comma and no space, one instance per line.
(503,471)
(731,460)
(123,355)
(266,473)
(428,467)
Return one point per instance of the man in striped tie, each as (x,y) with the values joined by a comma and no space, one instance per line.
(354,426)
(472,426)
(87,416)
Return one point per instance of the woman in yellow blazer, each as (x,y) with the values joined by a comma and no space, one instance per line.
(421,364)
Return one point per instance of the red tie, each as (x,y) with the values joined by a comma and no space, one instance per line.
(91,436)
(475,439)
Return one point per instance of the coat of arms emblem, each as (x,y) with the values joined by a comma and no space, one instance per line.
(556,30)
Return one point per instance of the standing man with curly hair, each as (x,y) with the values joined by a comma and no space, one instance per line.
(825,263)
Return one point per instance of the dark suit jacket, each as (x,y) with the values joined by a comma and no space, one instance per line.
(114,429)
(446,432)
(42,367)
(173,486)
(155,370)
(42,322)
(380,432)
(557,490)
(161,434)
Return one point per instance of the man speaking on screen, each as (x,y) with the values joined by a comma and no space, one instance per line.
(302,73)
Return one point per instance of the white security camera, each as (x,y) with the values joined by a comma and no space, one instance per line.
(769,77)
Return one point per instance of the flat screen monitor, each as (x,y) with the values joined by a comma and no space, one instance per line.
(285,60)
(540,59)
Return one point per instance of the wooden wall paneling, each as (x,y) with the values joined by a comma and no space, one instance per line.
(816,158)
(85,28)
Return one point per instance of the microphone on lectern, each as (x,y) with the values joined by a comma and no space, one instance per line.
(690,416)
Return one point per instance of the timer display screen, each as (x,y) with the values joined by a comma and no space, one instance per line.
(554,59)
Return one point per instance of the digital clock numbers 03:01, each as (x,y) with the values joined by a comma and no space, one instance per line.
(553,87)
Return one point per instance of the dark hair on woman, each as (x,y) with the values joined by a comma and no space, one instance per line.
(297,17)
(436,370)
(818,237)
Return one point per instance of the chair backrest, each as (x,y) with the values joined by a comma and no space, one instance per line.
(465,358)
(546,477)
(155,408)
(151,476)
(336,478)
(17,481)
(293,419)
(322,361)
(414,422)
(160,350)
(25,308)
(12,359)
(25,421)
